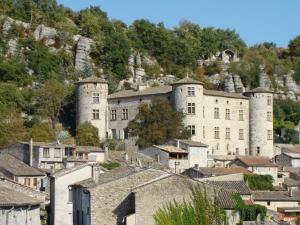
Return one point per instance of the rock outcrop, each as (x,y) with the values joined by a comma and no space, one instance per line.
(82,54)
(12,48)
(47,34)
(264,81)
(9,22)
(229,84)
(290,83)
(238,85)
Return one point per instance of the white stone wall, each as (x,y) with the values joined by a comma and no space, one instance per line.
(197,155)
(259,125)
(223,146)
(20,216)
(85,105)
(62,208)
(132,105)
(180,101)
(277,204)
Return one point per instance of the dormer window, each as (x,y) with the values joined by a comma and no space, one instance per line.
(191,91)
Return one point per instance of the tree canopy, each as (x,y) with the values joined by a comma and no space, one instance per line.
(87,135)
(157,124)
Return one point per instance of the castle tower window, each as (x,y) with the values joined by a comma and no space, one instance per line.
(192,129)
(227,114)
(113,115)
(217,133)
(203,131)
(191,91)
(269,116)
(269,100)
(227,136)
(270,135)
(46,153)
(241,115)
(216,113)
(203,112)
(96,98)
(191,108)
(96,114)
(241,134)
(125,114)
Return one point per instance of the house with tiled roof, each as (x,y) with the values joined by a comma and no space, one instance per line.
(135,196)
(20,172)
(258,165)
(179,155)
(18,208)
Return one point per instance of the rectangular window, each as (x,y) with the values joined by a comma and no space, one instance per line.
(203,112)
(191,91)
(70,195)
(227,133)
(96,98)
(227,114)
(114,133)
(57,152)
(191,108)
(241,115)
(216,113)
(46,153)
(217,133)
(27,181)
(203,131)
(113,114)
(192,129)
(270,135)
(269,116)
(125,114)
(96,114)
(269,100)
(35,182)
(241,134)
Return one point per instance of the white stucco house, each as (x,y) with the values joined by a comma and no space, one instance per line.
(179,155)
(61,195)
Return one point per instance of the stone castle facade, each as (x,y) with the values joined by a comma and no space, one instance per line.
(229,123)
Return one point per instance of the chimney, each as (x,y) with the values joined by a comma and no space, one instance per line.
(30,151)
(96,173)
(177,143)
(290,192)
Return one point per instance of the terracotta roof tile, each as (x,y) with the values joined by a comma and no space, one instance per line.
(257,161)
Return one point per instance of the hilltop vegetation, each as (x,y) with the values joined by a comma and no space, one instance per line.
(31,78)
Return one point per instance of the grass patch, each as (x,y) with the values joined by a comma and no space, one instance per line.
(110,166)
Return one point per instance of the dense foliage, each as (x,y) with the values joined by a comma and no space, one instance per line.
(110,165)
(249,212)
(157,124)
(259,182)
(87,135)
(202,210)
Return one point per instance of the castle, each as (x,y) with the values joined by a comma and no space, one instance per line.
(229,123)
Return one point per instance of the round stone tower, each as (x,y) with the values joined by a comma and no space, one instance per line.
(261,122)
(187,97)
(91,103)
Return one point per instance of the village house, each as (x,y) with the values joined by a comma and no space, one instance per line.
(20,172)
(217,173)
(131,198)
(179,155)
(18,208)
(258,165)
(285,202)
(288,159)
(61,195)
(55,155)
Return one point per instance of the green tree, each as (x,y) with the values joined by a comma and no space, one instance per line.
(11,96)
(157,124)
(42,132)
(87,135)
(202,210)
(294,46)
(51,98)
(11,128)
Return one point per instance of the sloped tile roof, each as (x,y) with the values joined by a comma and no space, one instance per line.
(193,143)
(256,161)
(237,186)
(17,167)
(187,80)
(275,196)
(11,197)
(259,90)
(92,79)
(224,94)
